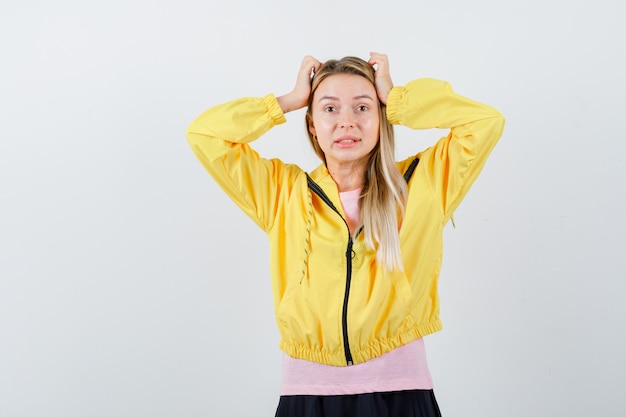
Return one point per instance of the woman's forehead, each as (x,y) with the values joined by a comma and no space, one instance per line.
(345,86)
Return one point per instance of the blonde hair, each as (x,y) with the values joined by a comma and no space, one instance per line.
(383,197)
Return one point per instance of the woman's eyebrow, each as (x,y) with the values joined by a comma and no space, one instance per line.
(328,98)
(360,96)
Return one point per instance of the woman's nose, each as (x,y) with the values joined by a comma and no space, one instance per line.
(346,120)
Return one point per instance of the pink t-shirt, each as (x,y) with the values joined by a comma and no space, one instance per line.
(404,368)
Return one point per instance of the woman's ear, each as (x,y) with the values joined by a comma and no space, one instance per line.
(309,123)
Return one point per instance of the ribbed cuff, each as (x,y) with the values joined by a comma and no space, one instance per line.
(274,110)
(393,104)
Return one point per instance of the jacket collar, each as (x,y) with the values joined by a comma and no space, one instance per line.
(322,177)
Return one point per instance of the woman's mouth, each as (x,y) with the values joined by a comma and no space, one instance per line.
(346,140)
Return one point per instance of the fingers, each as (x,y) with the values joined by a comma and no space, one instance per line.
(299,96)
(379,61)
(382,77)
(309,66)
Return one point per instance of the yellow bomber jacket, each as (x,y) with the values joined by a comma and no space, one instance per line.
(333,304)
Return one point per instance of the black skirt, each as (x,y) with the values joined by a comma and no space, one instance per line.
(412,403)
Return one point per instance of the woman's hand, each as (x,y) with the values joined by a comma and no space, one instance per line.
(299,96)
(382,77)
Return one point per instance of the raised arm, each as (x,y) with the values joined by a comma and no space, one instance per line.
(219,137)
(453,164)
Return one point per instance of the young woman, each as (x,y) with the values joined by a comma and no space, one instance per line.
(356,244)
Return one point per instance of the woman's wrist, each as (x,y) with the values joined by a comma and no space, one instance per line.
(289,102)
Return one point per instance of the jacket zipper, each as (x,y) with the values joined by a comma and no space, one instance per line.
(344,314)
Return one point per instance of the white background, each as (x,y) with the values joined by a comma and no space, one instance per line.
(131,286)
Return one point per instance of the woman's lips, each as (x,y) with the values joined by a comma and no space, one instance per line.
(346,140)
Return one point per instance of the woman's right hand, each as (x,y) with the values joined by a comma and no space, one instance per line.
(299,96)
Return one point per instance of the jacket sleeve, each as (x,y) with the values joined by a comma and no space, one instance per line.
(455,161)
(219,137)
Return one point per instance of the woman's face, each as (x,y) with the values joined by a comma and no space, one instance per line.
(345,119)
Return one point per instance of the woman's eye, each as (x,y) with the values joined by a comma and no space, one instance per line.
(363,108)
(329,109)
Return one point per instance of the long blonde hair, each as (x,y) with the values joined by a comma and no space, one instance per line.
(383,197)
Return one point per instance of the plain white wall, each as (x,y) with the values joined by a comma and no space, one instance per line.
(131,286)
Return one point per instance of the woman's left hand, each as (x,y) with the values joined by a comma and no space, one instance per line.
(382,76)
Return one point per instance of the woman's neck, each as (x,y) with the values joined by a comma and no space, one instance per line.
(348,177)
